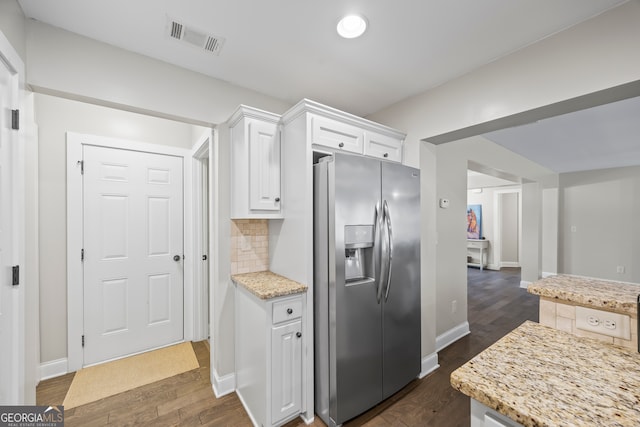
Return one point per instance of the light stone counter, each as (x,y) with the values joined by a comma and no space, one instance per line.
(619,297)
(540,376)
(267,285)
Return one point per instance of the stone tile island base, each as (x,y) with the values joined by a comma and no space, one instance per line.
(560,295)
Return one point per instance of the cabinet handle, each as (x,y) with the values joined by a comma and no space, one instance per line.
(289,310)
(298,334)
(341,145)
(277,199)
(385,155)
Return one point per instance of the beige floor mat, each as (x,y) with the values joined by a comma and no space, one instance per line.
(100,381)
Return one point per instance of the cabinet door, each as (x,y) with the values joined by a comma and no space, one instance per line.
(382,146)
(334,134)
(264,166)
(286,371)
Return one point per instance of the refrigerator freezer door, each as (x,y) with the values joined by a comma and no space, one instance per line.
(401,308)
(357,334)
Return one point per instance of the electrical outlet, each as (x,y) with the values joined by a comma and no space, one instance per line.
(603,322)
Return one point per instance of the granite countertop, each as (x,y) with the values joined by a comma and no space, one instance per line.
(267,285)
(619,297)
(540,376)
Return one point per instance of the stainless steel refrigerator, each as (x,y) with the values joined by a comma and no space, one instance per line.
(366,283)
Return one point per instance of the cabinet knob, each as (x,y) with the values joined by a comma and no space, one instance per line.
(289,310)
(298,334)
(277,199)
(385,155)
(341,145)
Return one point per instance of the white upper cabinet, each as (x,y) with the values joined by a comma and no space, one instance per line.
(255,164)
(382,146)
(336,130)
(335,134)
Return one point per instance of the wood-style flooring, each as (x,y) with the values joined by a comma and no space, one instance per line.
(496,305)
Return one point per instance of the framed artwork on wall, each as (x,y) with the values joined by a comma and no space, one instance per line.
(474,221)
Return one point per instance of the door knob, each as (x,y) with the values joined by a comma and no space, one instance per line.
(298,334)
(176,257)
(277,199)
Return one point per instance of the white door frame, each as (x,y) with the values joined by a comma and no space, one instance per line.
(201,155)
(75,301)
(12,60)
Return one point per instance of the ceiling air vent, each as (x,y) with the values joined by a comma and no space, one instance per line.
(197,38)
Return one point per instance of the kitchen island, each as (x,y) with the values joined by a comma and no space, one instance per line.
(595,308)
(541,376)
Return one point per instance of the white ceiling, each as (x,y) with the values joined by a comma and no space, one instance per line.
(289,49)
(602,137)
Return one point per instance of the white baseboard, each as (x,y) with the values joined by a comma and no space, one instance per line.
(223,385)
(246,409)
(452,335)
(54,368)
(429,364)
(307,421)
(546,274)
(524,284)
(510,264)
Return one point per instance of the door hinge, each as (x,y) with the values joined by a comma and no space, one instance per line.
(83,340)
(15,273)
(81,163)
(15,119)
(81,254)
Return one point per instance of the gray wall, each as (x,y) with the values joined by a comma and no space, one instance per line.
(509,235)
(599,223)
(86,70)
(573,63)
(56,116)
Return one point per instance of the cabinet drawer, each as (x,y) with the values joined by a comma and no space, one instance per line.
(477,244)
(382,146)
(287,310)
(334,134)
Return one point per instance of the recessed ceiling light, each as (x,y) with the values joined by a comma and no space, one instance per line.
(352,26)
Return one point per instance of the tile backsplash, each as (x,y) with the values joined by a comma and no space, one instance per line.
(249,245)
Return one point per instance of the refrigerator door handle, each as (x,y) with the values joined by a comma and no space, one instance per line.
(387,220)
(377,247)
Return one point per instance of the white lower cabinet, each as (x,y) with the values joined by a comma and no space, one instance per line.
(269,357)
(286,370)
(483,416)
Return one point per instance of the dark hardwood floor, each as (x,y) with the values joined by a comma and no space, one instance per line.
(496,305)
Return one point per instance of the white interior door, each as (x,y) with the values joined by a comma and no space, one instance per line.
(9,295)
(133,252)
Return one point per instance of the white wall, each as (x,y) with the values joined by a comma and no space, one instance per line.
(596,55)
(61,62)
(599,223)
(55,116)
(12,25)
